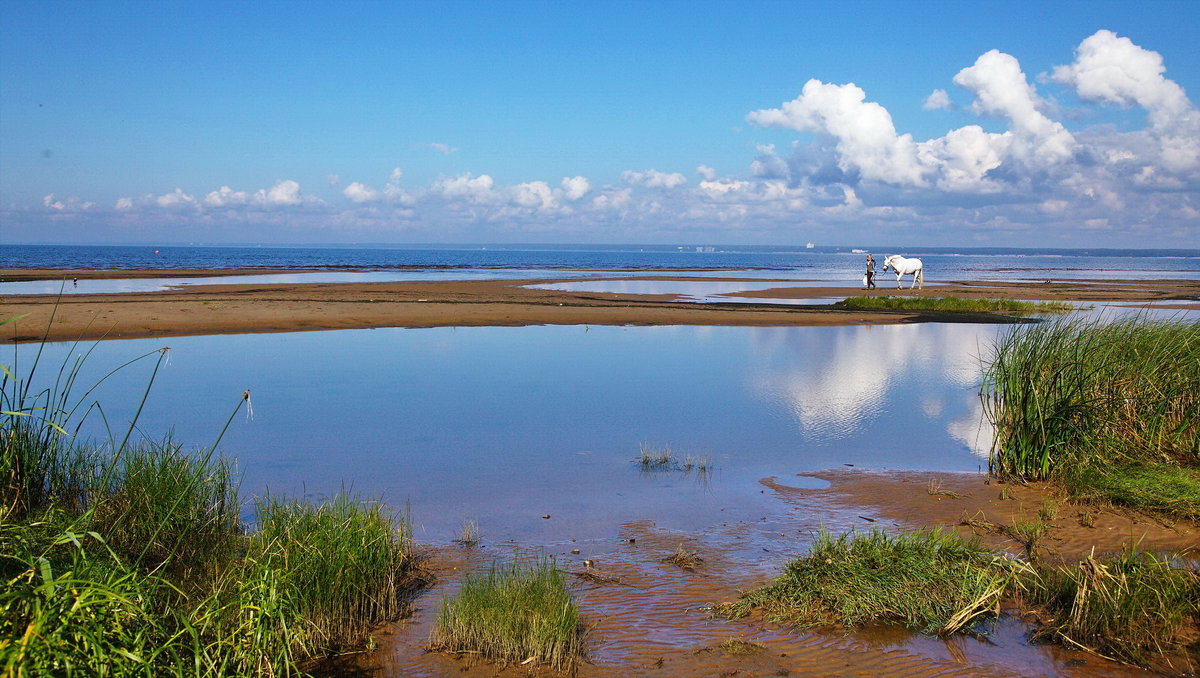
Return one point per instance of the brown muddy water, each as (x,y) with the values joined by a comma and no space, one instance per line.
(648,617)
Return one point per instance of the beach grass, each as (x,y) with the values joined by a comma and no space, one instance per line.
(1163,488)
(1133,608)
(129,558)
(933,582)
(342,565)
(515,613)
(956,304)
(1094,404)
(158,506)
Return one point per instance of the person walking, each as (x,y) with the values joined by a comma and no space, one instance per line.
(870,272)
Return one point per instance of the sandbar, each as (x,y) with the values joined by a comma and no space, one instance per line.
(290,307)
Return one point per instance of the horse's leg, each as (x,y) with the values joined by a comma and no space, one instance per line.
(921,277)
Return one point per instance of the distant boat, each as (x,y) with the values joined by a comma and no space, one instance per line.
(810,246)
(859,251)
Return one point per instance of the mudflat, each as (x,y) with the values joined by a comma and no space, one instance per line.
(289,307)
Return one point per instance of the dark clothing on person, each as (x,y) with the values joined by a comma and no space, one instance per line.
(870,273)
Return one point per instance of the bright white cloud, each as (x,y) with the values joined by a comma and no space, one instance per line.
(175,199)
(361,193)
(465,186)
(706,172)
(285,192)
(866,137)
(226,196)
(937,99)
(1113,70)
(653,179)
(1000,88)
(575,188)
(535,195)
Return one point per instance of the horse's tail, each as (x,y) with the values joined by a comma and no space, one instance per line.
(921,276)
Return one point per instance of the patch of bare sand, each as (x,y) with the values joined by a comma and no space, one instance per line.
(952,500)
(240,308)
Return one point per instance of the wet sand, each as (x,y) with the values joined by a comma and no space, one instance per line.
(244,308)
(647,617)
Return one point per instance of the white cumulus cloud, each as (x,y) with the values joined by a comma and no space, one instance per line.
(937,99)
(1001,89)
(653,179)
(867,141)
(575,188)
(360,193)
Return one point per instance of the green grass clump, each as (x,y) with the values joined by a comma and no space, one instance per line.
(1134,608)
(129,559)
(157,505)
(1097,405)
(956,304)
(342,566)
(1162,488)
(933,582)
(514,613)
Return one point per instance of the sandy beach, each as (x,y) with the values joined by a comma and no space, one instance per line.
(245,308)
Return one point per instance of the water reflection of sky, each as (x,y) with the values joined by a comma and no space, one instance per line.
(505,425)
(693,290)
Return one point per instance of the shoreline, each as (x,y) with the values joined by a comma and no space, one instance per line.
(237,308)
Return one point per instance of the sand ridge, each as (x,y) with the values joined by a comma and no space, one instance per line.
(245,308)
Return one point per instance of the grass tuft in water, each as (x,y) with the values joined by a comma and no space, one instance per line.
(684,559)
(160,507)
(515,613)
(651,458)
(738,647)
(933,582)
(470,534)
(341,564)
(664,459)
(1133,608)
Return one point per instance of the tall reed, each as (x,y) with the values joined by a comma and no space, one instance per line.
(1075,393)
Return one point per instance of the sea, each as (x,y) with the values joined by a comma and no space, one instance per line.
(820,263)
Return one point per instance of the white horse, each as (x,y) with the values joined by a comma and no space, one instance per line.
(904,267)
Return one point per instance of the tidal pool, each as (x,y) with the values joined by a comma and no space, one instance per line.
(507,425)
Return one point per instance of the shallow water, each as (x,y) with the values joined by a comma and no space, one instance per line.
(507,425)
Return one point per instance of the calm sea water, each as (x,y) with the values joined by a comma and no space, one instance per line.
(506,425)
(820,263)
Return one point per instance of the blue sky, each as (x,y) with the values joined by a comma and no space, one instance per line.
(923,123)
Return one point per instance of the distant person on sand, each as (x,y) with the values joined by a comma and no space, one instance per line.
(870,272)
